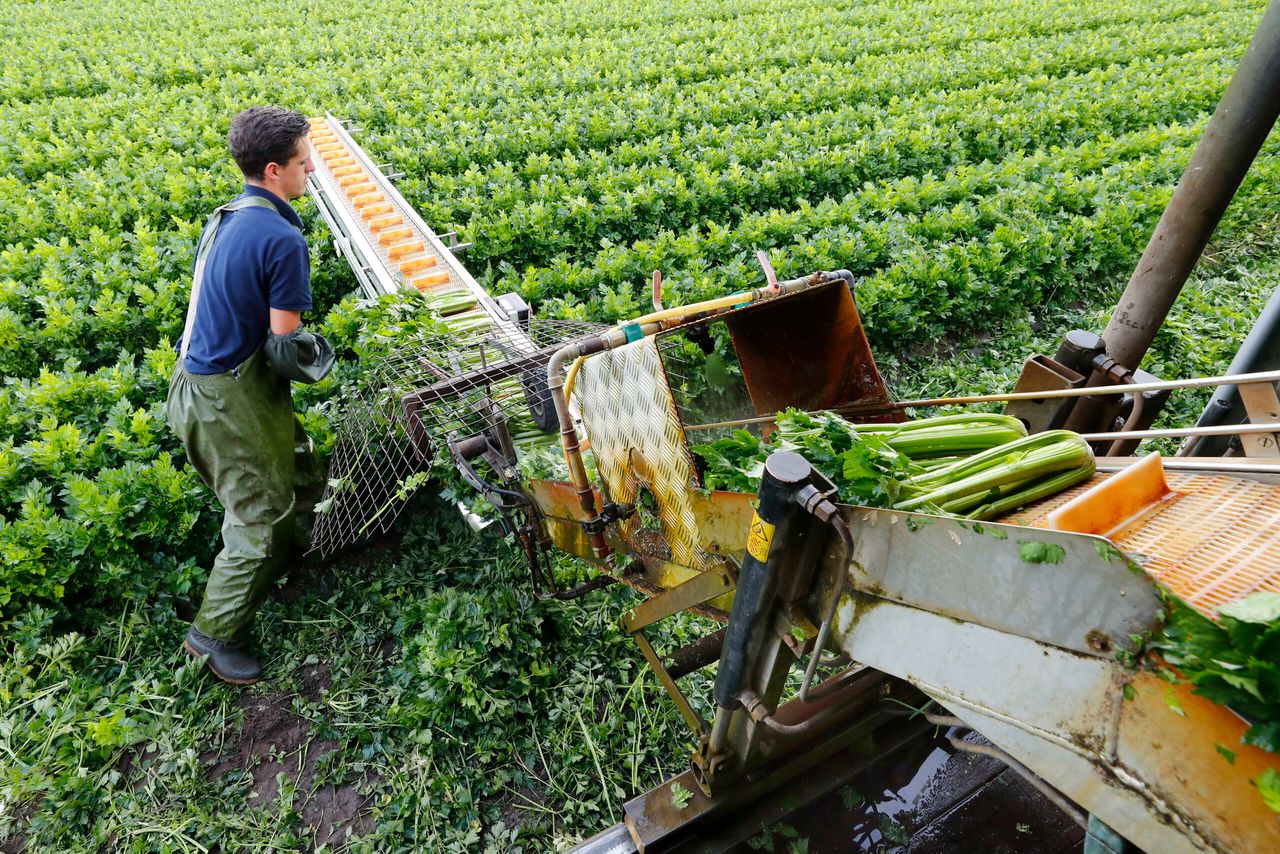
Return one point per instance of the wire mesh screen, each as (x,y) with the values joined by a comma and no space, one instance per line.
(706,380)
(433,388)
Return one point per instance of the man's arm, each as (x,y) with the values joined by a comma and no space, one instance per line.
(284,322)
(288,283)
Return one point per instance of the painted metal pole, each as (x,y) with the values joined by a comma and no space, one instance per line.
(1231,141)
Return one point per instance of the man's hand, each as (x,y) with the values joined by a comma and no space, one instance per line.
(284,322)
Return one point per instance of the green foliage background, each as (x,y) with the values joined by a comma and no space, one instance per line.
(989,170)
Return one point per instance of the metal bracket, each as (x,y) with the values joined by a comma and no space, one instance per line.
(609,514)
(388,171)
(454,246)
(1262,406)
(703,587)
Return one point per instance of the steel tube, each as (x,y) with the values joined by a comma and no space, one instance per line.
(1258,352)
(773,528)
(1174,433)
(1128,388)
(1231,141)
(569,436)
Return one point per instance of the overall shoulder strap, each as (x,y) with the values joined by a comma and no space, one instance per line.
(202,254)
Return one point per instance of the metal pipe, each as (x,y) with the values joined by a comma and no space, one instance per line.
(1056,797)
(1135,388)
(1129,423)
(569,436)
(1259,351)
(719,731)
(759,713)
(845,555)
(1173,433)
(696,655)
(1226,150)
(1254,465)
(1230,143)
(676,315)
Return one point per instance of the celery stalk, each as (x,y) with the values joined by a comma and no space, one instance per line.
(1042,489)
(1036,456)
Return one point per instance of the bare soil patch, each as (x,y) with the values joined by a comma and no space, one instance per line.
(274,741)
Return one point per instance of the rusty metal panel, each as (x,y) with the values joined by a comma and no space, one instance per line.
(1065,716)
(1040,373)
(809,351)
(723,521)
(1085,596)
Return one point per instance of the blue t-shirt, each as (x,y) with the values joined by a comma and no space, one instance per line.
(258,262)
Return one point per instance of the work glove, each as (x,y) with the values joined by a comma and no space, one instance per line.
(300,355)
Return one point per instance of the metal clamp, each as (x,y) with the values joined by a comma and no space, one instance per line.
(609,514)
(453,245)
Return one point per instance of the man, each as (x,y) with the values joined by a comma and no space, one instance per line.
(229,399)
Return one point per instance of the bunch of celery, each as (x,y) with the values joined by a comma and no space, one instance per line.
(976,465)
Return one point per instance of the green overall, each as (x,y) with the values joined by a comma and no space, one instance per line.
(244,440)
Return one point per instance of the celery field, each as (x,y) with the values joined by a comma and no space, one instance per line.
(989,170)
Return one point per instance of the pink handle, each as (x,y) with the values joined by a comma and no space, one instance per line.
(769,276)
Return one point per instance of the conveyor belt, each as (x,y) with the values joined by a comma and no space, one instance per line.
(1216,539)
(380,234)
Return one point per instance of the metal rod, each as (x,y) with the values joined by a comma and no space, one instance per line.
(1173,433)
(845,555)
(1252,465)
(1129,388)
(1130,423)
(1231,140)
(1056,797)
(696,655)
(760,714)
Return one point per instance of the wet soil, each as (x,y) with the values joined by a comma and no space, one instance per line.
(928,798)
(272,741)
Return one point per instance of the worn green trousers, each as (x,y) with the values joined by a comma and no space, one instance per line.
(246,443)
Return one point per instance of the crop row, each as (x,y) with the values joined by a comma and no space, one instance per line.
(81,65)
(111,288)
(452,107)
(123,279)
(169,161)
(122,190)
(934,252)
(470,131)
(721,173)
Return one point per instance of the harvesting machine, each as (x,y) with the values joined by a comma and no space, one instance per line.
(837,619)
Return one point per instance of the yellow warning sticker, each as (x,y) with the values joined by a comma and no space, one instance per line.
(759,539)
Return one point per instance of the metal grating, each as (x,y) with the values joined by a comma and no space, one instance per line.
(363,206)
(638,441)
(433,388)
(1216,541)
(705,378)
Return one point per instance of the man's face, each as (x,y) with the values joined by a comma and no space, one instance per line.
(293,174)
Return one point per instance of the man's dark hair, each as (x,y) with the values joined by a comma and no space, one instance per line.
(262,135)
